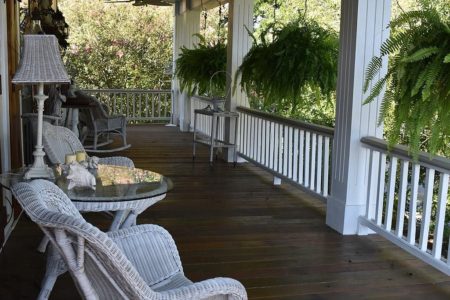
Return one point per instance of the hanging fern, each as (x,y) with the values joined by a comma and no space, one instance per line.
(303,55)
(195,68)
(417,80)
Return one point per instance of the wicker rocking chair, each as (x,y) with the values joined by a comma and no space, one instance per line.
(140,262)
(100,124)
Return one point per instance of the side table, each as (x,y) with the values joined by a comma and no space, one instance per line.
(213,141)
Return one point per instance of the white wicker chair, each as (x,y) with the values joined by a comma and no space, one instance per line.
(59,141)
(140,262)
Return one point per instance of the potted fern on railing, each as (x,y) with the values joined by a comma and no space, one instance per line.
(195,68)
(416,102)
(302,57)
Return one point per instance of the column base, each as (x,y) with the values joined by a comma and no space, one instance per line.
(344,218)
(185,126)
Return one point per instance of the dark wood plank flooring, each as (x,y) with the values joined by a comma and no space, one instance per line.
(233,222)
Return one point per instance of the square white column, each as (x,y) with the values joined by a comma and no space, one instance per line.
(363,30)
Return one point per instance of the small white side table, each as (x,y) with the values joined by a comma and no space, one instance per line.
(213,141)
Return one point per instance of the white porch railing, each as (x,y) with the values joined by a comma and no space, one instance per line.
(408,201)
(136,105)
(292,150)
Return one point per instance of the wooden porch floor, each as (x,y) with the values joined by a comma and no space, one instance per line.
(233,222)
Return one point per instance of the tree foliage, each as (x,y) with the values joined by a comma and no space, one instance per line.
(118,45)
(417,97)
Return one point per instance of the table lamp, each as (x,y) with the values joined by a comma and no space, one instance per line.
(40,64)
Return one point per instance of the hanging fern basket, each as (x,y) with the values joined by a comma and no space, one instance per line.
(417,97)
(195,68)
(303,55)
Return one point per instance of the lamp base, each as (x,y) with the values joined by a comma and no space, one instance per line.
(39,169)
(43,172)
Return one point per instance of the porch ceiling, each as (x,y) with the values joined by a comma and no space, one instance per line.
(233,222)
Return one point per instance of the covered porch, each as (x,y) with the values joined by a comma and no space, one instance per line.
(304,239)
(232,221)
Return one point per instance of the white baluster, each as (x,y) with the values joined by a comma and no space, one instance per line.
(295,160)
(426,214)
(413,204)
(402,198)
(440,216)
(391,192)
(381,192)
(313,161)
(326,167)
(319,165)
(307,156)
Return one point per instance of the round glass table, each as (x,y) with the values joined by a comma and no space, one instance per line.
(129,191)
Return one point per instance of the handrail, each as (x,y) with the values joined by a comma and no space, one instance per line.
(138,105)
(439,163)
(324,130)
(126,90)
(202,98)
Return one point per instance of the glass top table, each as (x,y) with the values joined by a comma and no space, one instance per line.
(113,183)
(127,191)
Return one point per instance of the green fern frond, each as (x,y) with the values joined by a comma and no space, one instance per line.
(376,90)
(394,43)
(421,54)
(429,15)
(434,70)
(385,107)
(419,83)
(372,69)
(447,58)
(200,37)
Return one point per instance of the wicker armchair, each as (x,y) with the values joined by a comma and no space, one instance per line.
(59,141)
(107,265)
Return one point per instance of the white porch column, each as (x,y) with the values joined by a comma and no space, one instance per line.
(186,25)
(363,30)
(4,94)
(6,210)
(239,43)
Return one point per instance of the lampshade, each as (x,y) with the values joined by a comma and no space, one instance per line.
(41,61)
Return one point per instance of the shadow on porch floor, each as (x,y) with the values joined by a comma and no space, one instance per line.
(233,222)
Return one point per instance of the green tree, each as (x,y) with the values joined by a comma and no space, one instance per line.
(118,45)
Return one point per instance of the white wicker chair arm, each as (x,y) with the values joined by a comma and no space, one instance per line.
(151,250)
(117,161)
(212,289)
